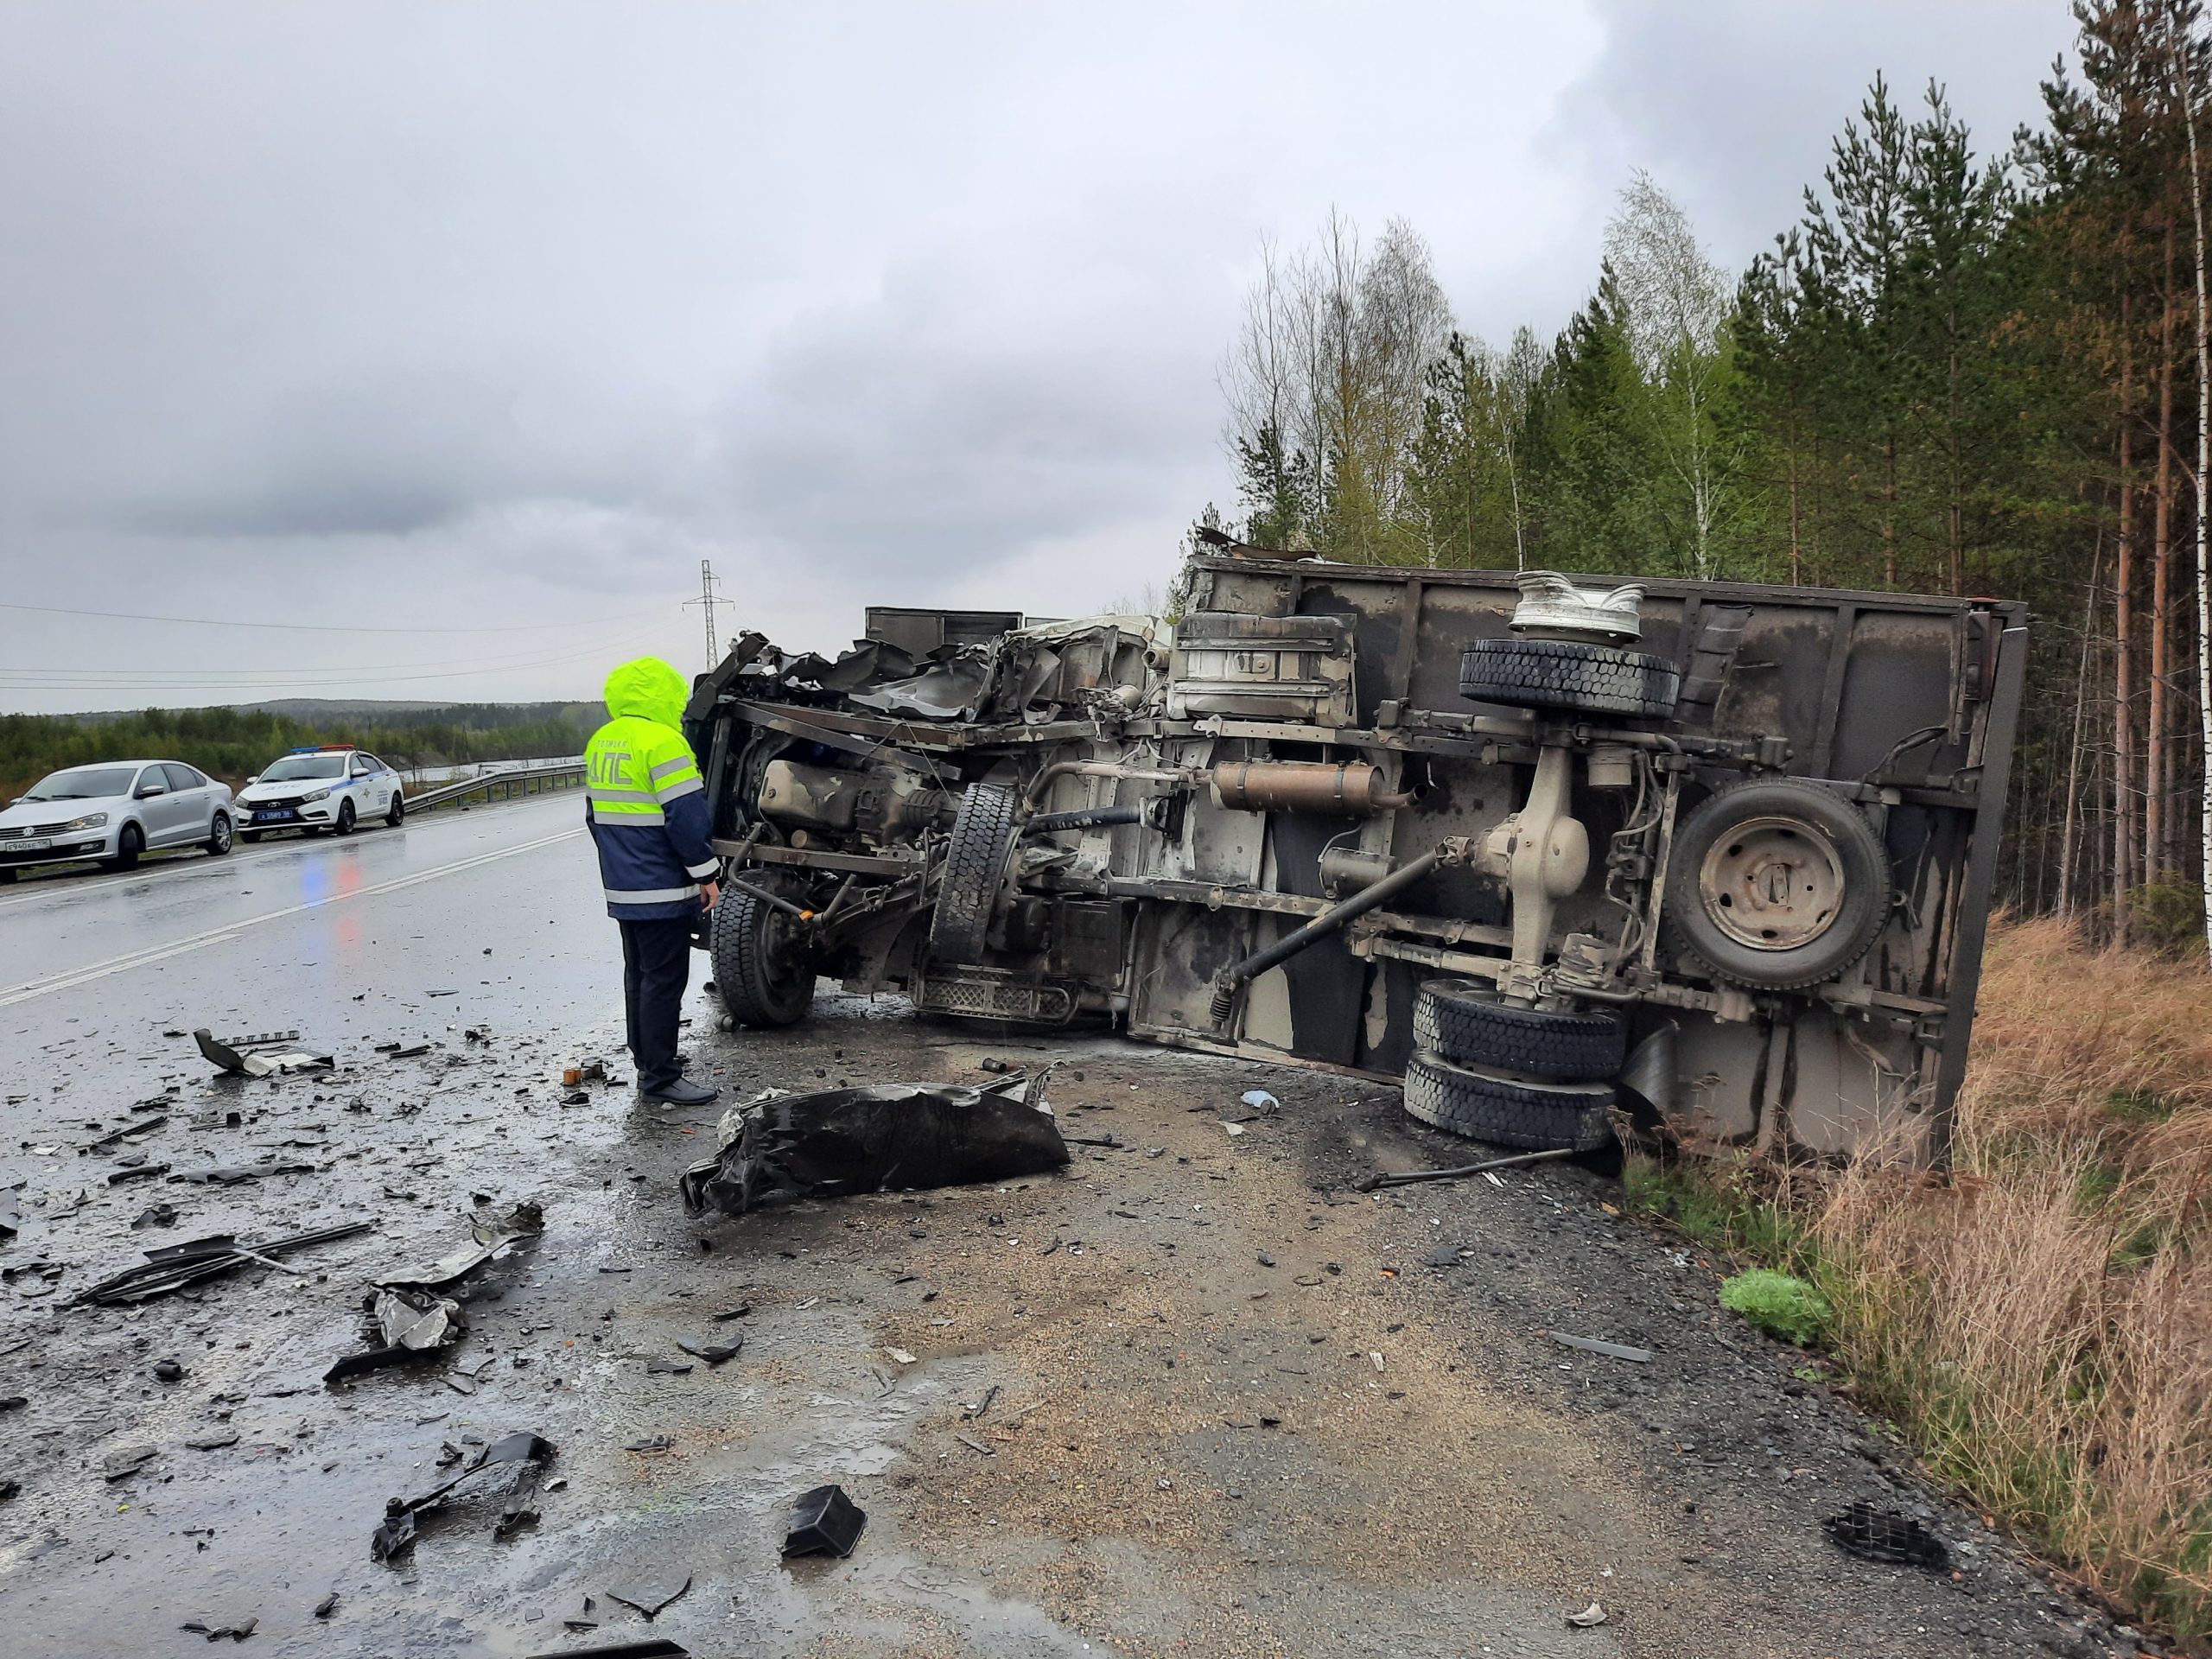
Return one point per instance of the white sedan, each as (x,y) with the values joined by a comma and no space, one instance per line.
(332,788)
(113,811)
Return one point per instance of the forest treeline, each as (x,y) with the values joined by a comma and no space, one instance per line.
(232,743)
(1970,367)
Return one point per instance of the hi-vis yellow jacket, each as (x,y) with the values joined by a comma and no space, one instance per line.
(645,800)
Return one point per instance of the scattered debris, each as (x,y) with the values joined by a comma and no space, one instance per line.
(234,1626)
(653,1648)
(327,1606)
(404,1324)
(270,1054)
(825,1522)
(1589,1617)
(741,1311)
(668,1367)
(122,1464)
(395,1536)
(649,1596)
(415,1052)
(167,1370)
(11,1214)
(175,1266)
(1459,1172)
(213,1440)
(1260,1099)
(492,1239)
(981,1405)
(1884,1535)
(713,1352)
(1613,1350)
(835,1142)
(900,1355)
(114,1137)
(1234,1128)
(657,1443)
(238,1175)
(163,1214)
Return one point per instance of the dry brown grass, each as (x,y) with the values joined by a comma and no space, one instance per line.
(2041,1325)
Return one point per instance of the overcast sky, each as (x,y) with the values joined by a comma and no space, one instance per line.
(441,316)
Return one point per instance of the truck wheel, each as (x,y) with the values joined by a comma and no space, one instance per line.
(1568,674)
(975,874)
(1776,883)
(1484,1105)
(1464,1021)
(764,976)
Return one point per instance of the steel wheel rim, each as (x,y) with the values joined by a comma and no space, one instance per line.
(1773,883)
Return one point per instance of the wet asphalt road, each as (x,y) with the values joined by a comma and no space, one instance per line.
(1239,1410)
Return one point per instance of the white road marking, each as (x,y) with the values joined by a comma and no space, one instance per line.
(40,986)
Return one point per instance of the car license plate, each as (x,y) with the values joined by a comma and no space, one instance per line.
(38,846)
(272,817)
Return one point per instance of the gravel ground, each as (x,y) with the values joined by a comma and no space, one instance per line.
(1234,1406)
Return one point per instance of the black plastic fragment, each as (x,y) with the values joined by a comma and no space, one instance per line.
(396,1534)
(713,1352)
(834,1142)
(825,1522)
(651,1647)
(1884,1535)
(649,1596)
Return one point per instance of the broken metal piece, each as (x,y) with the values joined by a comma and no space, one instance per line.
(1458,1171)
(649,1596)
(1884,1535)
(175,1266)
(835,1142)
(237,1174)
(492,1239)
(825,1522)
(406,1326)
(1612,1350)
(269,1054)
(396,1535)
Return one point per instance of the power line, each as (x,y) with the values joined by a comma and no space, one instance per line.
(319,627)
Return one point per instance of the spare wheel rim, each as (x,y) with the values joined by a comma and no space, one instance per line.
(1773,883)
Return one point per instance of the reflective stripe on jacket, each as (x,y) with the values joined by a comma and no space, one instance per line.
(644,798)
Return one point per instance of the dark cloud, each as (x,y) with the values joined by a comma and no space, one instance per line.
(520,310)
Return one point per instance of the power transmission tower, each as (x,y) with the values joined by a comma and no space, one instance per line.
(707,600)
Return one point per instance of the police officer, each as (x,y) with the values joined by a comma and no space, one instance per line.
(646,806)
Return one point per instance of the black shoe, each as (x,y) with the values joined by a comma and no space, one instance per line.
(682,1092)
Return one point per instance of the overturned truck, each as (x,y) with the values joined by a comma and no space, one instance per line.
(1543,848)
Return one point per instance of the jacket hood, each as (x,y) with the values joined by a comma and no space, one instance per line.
(647,689)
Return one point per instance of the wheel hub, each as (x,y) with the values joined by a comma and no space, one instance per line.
(1775,884)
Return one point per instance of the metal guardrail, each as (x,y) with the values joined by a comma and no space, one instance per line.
(504,785)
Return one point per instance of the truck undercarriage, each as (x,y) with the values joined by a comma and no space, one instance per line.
(1715,854)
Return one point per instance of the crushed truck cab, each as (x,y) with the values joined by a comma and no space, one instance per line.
(1544,848)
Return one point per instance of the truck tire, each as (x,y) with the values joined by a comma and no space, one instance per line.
(975,874)
(1775,883)
(1568,674)
(1463,1020)
(764,977)
(1506,1111)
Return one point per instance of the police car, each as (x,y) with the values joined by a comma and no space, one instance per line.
(334,787)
